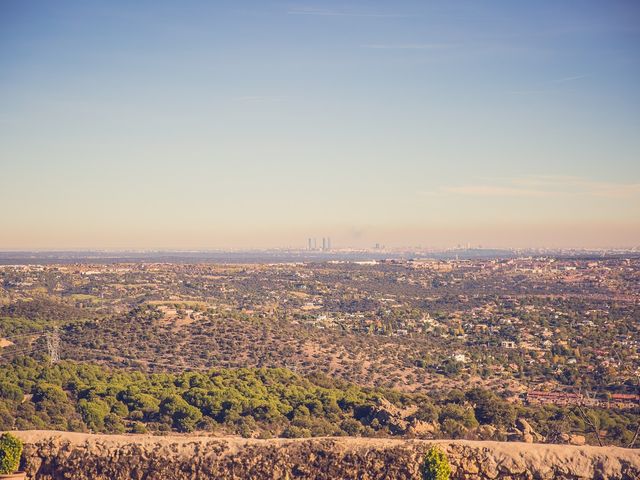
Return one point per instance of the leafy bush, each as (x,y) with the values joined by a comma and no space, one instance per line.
(436,465)
(10,453)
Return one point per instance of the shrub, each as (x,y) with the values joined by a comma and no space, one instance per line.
(10,453)
(138,428)
(296,432)
(436,465)
(351,427)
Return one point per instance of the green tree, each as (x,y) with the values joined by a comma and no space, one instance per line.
(7,420)
(93,413)
(113,424)
(11,392)
(436,465)
(184,416)
(489,409)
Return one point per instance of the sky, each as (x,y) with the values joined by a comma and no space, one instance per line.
(257,124)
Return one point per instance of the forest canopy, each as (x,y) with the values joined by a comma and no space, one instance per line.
(268,402)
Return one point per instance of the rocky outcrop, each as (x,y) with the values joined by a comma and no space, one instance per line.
(572,439)
(523,432)
(400,421)
(58,455)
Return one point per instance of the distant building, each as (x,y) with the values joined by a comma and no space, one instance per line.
(460,357)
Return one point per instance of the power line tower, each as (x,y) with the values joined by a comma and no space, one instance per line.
(53,346)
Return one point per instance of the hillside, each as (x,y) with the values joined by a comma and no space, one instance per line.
(52,455)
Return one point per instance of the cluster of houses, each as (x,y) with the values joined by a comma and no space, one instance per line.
(561,399)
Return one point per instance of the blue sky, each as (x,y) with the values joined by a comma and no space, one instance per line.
(257,124)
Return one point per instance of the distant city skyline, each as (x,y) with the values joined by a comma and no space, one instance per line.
(203,125)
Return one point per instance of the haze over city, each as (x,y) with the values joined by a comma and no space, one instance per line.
(259,124)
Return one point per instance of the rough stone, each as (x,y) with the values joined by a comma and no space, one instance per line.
(523,425)
(577,439)
(65,456)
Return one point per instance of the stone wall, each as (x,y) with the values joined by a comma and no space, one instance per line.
(60,455)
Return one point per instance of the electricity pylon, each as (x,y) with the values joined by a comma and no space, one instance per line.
(53,346)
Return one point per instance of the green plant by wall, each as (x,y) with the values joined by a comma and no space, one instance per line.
(436,465)
(10,453)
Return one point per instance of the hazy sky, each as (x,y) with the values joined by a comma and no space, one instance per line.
(132,124)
